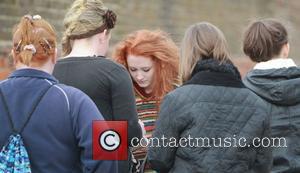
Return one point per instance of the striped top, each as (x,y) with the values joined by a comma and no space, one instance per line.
(147,109)
(147,113)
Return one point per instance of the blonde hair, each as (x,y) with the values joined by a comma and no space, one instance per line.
(34,41)
(84,19)
(158,46)
(201,41)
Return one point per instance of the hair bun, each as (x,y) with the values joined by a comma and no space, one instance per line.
(110,19)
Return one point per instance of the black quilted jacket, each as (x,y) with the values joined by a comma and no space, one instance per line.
(213,104)
(281,88)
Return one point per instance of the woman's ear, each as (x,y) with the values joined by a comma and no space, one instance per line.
(105,32)
(13,56)
(104,37)
(54,58)
(285,50)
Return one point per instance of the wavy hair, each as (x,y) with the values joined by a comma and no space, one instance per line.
(84,19)
(158,46)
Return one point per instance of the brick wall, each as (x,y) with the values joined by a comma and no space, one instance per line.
(5,64)
(173,16)
(10,13)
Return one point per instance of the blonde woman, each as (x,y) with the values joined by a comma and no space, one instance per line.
(88,25)
(213,104)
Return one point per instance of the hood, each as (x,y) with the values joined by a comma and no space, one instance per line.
(278,86)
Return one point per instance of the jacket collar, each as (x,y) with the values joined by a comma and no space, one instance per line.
(212,72)
(275,64)
(28,72)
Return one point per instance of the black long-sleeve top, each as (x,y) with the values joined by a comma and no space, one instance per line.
(108,84)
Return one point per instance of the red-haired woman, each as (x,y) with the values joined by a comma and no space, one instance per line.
(45,126)
(151,57)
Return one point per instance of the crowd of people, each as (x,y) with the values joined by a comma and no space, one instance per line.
(162,91)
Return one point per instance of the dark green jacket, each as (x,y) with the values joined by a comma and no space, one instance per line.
(214,104)
(281,88)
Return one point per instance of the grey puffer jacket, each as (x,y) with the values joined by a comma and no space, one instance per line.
(281,88)
(214,104)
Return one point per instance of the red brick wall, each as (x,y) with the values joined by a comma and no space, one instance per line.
(5,64)
(173,16)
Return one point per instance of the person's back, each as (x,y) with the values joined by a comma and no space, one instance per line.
(283,95)
(57,119)
(276,79)
(88,25)
(213,117)
(59,131)
(220,116)
(104,81)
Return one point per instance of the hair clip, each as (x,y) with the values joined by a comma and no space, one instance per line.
(48,44)
(18,46)
(30,47)
(36,17)
(29,17)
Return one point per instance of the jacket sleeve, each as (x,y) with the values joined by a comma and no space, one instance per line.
(168,128)
(123,102)
(263,162)
(83,112)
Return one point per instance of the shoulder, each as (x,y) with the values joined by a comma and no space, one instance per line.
(178,98)
(109,66)
(104,62)
(117,72)
(115,66)
(185,92)
(71,94)
(208,93)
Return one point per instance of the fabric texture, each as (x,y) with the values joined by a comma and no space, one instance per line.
(14,157)
(281,88)
(275,64)
(58,137)
(147,109)
(110,87)
(213,104)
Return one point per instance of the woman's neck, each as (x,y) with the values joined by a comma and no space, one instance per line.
(48,68)
(148,90)
(86,47)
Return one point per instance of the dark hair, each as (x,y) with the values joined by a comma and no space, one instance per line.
(264,39)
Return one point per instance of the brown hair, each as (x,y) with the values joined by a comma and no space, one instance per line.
(264,39)
(158,46)
(201,40)
(37,34)
(84,19)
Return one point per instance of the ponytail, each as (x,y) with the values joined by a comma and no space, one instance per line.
(34,41)
(26,57)
(26,51)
